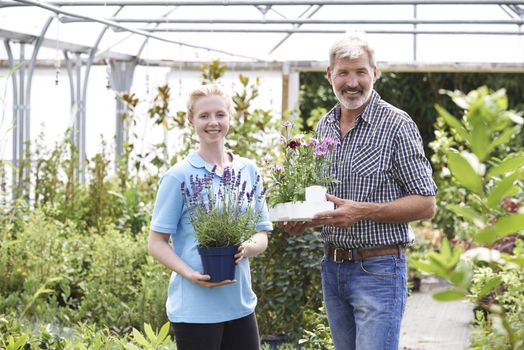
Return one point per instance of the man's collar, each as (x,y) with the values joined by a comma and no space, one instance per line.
(368,114)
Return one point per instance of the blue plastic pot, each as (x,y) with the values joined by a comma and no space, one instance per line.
(218,262)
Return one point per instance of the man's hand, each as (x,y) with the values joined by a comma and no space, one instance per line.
(346,214)
(295,227)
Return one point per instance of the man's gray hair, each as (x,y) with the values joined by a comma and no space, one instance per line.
(351,45)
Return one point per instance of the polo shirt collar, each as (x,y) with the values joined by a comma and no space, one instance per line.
(198,162)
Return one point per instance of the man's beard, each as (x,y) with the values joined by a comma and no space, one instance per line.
(353,104)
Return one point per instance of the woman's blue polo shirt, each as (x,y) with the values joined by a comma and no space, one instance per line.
(188,301)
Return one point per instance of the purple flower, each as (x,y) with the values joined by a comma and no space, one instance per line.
(287,124)
(325,146)
(266,159)
(312,142)
(276,168)
(226,176)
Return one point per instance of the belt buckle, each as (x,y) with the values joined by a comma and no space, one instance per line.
(338,251)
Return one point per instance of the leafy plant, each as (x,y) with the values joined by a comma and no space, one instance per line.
(318,336)
(153,340)
(226,216)
(287,290)
(486,126)
(306,162)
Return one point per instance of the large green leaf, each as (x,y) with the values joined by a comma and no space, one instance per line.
(501,189)
(506,166)
(505,226)
(491,284)
(461,276)
(468,213)
(454,123)
(464,173)
(163,335)
(449,295)
(429,267)
(150,333)
(502,139)
(480,134)
(139,338)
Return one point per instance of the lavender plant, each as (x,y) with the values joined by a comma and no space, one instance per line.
(227,216)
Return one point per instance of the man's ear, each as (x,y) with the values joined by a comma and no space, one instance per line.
(190,119)
(328,74)
(376,73)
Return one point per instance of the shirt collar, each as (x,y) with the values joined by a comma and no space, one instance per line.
(198,162)
(368,114)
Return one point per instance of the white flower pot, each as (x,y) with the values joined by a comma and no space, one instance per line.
(302,211)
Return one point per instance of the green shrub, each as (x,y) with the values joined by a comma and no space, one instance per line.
(490,174)
(286,279)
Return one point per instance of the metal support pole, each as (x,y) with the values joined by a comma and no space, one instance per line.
(16,118)
(79,128)
(22,123)
(121,80)
(415,34)
(285,87)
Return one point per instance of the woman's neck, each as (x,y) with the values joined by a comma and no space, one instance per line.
(216,156)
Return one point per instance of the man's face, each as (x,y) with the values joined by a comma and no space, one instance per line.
(352,81)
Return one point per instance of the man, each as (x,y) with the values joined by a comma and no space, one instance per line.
(384,182)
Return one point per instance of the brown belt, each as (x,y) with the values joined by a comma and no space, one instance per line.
(340,255)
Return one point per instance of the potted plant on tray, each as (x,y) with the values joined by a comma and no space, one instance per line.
(223,216)
(299,182)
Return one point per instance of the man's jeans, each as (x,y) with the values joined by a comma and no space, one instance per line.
(365,301)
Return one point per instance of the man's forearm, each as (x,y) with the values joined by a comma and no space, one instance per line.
(399,211)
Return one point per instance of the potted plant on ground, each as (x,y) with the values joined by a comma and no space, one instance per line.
(223,218)
(299,183)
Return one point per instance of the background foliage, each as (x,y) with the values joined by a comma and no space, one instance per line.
(415,93)
(74,270)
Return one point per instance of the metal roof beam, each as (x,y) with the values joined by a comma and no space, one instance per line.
(331,31)
(61,45)
(28,38)
(6,3)
(320,66)
(59,10)
(66,19)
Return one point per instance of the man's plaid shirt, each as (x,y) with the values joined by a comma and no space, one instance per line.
(379,160)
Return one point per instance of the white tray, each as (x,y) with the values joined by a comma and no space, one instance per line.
(298,211)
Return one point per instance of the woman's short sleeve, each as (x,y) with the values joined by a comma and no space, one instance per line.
(169,206)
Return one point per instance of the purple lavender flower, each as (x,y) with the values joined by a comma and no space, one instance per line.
(226,176)
(237,180)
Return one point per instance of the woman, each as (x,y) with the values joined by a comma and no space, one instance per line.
(206,315)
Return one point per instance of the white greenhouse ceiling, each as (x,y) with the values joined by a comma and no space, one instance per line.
(405,33)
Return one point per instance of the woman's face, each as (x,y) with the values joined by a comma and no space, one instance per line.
(210,119)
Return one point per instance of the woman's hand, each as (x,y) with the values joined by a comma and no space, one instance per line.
(255,245)
(203,280)
(240,254)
